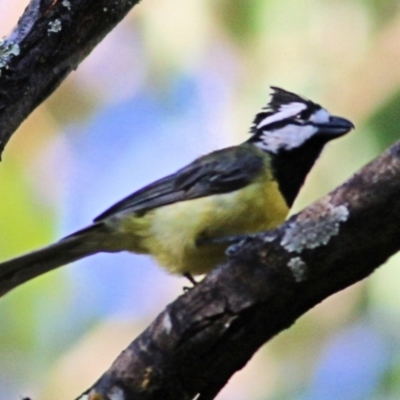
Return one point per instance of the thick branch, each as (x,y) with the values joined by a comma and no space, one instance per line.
(51,39)
(270,280)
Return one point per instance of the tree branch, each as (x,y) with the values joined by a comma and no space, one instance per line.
(51,39)
(271,279)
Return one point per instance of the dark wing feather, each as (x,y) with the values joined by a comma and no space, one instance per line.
(222,171)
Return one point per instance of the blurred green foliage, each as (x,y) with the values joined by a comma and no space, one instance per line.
(385,121)
(382,11)
(243,20)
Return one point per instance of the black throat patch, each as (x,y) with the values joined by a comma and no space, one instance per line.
(290,168)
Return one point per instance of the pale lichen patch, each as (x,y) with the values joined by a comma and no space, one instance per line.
(66,4)
(116,393)
(166,321)
(298,268)
(268,238)
(8,49)
(54,26)
(314,227)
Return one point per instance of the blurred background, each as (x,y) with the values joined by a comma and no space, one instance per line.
(175,80)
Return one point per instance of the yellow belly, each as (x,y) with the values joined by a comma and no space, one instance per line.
(170,233)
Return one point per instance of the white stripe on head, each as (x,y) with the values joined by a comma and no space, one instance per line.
(321,116)
(286,138)
(285,111)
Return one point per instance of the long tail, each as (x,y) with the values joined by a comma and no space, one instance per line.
(72,248)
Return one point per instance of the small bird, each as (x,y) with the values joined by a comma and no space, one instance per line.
(238,190)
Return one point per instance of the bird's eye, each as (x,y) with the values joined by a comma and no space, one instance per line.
(302,115)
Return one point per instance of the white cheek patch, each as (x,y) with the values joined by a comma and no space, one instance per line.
(286,138)
(285,111)
(320,117)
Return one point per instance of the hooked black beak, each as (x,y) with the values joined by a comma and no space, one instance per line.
(336,126)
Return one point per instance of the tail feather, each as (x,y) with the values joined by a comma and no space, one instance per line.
(72,248)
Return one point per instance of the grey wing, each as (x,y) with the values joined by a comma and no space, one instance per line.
(222,171)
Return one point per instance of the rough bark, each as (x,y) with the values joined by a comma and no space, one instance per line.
(271,279)
(51,39)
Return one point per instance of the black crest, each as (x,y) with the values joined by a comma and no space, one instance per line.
(280,97)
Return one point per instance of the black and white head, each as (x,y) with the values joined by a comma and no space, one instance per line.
(294,130)
(289,121)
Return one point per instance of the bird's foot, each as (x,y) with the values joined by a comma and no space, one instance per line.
(220,240)
(192,281)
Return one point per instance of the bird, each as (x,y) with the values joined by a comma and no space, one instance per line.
(238,190)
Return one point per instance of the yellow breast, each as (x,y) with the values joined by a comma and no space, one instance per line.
(170,233)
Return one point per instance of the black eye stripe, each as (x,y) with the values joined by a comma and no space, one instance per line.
(306,114)
(277,124)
